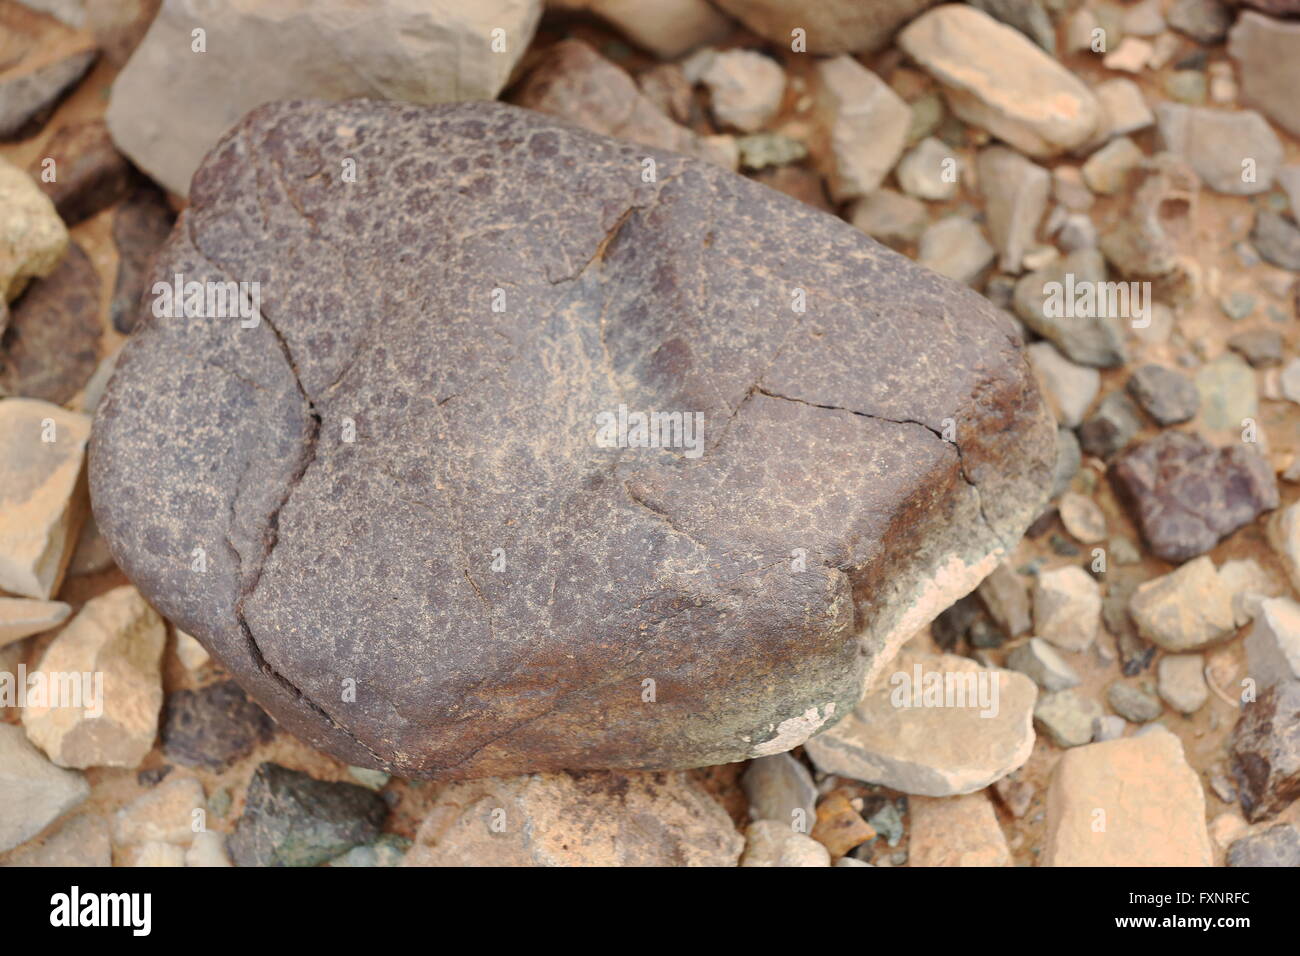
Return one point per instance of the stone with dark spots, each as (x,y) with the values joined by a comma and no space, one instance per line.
(140,226)
(1266,751)
(89,173)
(470,584)
(1168,395)
(213,727)
(1185,495)
(51,347)
(291,819)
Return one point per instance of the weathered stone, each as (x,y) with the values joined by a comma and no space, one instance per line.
(1279,845)
(1027,16)
(445,666)
(52,346)
(1205,21)
(667,28)
(580,820)
(83,841)
(576,83)
(1277,239)
(1107,170)
(1266,751)
(1082,518)
(42,494)
(1108,727)
(1070,388)
(89,173)
(1284,536)
(20,618)
(1250,586)
(780,788)
(891,217)
(1184,610)
(213,727)
(768,843)
(995,78)
(1267,55)
(1261,347)
(840,827)
(141,225)
(1167,395)
(166,814)
(1232,151)
(1185,495)
(190,652)
(955,247)
(930,170)
(901,737)
(1015,195)
(1046,301)
(170,106)
(956,831)
(1069,459)
(1043,665)
(745,89)
(1152,810)
(1067,608)
(1180,681)
(863,127)
(1006,595)
(1133,703)
(1146,243)
(1273,645)
(1125,107)
(291,819)
(1111,427)
(31,88)
(33,791)
(1067,716)
(827,26)
(33,238)
(118,637)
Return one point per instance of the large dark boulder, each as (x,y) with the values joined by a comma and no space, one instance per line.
(471,584)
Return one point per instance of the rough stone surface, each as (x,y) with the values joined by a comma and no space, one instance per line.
(170,106)
(165,814)
(1070,388)
(324,569)
(1180,681)
(116,635)
(768,843)
(1205,21)
(864,126)
(1067,716)
(994,77)
(89,173)
(1111,427)
(1133,703)
(1184,610)
(1186,495)
(1152,810)
(1277,239)
(1266,751)
(1267,55)
(1042,300)
(1067,608)
(141,225)
(745,88)
(1273,645)
(1006,595)
(840,827)
(955,247)
(584,819)
(780,788)
(1082,517)
(213,727)
(81,842)
(1043,665)
(291,819)
(33,791)
(20,618)
(33,238)
(1015,193)
(892,217)
(1215,142)
(1167,395)
(927,748)
(33,87)
(956,831)
(42,494)
(1279,845)
(667,28)
(830,26)
(930,170)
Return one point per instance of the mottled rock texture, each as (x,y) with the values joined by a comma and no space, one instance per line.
(349,585)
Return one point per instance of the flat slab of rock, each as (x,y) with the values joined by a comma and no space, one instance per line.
(829,26)
(1233,151)
(389,589)
(1184,610)
(955,831)
(171,104)
(933,739)
(1267,53)
(33,791)
(1273,645)
(21,618)
(42,494)
(1129,802)
(584,819)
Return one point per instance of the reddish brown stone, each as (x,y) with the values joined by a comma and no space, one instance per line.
(1266,752)
(90,174)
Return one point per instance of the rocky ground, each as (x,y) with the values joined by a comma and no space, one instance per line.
(1144,634)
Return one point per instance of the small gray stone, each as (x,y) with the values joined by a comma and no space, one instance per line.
(33,792)
(1279,845)
(1108,727)
(1223,146)
(1069,459)
(955,247)
(1070,388)
(1111,427)
(1043,665)
(1205,21)
(1006,595)
(1133,703)
(1228,392)
(1015,195)
(1180,681)
(1261,347)
(929,170)
(1277,239)
(1273,645)
(1067,717)
(1167,395)
(780,788)
(1044,301)
(890,216)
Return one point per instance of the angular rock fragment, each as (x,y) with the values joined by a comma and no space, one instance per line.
(1052,302)
(780,788)
(667,28)
(1279,845)
(934,727)
(109,717)
(1284,536)
(1015,193)
(955,247)
(768,843)
(42,494)
(1232,151)
(864,126)
(81,842)
(1166,395)
(1069,387)
(1184,610)
(1266,751)
(956,831)
(1147,242)
(32,88)
(33,238)
(1185,495)
(33,791)
(827,26)
(1180,680)
(1267,54)
(840,827)
(1081,516)
(291,819)
(1205,21)
(1043,665)
(996,78)
(1273,645)
(213,727)
(1129,802)
(1277,239)
(1067,608)
(20,618)
(1133,703)
(745,89)
(169,106)
(581,819)
(892,217)
(166,814)
(89,173)
(1006,596)
(1067,716)
(327,574)
(1111,427)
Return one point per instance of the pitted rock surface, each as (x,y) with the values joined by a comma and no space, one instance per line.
(756,585)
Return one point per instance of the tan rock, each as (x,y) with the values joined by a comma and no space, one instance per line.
(33,792)
(43,498)
(956,831)
(1082,518)
(934,744)
(155,854)
(191,653)
(82,841)
(667,28)
(828,26)
(165,814)
(1284,536)
(1067,608)
(1250,585)
(745,88)
(102,671)
(581,819)
(21,618)
(1128,802)
(864,124)
(768,843)
(1006,595)
(995,77)
(208,849)
(33,238)
(1184,610)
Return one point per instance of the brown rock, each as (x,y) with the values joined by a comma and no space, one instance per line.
(839,826)
(1128,802)
(141,225)
(956,831)
(664,614)
(1266,751)
(89,173)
